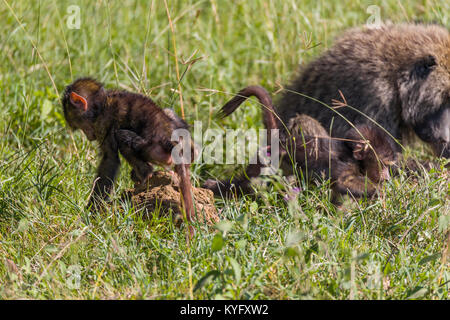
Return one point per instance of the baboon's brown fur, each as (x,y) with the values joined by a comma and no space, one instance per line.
(398,75)
(130,123)
(366,152)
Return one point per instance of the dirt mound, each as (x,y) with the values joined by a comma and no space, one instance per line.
(162,195)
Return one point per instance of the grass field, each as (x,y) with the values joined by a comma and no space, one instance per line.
(51,247)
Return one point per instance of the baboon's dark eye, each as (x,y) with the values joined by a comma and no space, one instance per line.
(424,66)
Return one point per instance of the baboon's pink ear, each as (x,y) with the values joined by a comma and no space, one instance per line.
(78,101)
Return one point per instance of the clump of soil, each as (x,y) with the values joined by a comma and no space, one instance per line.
(161,194)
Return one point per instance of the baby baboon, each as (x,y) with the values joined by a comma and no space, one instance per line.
(366,148)
(355,164)
(130,123)
(366,151)
(398,75)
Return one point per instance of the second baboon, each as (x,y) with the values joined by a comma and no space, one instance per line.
(366,151)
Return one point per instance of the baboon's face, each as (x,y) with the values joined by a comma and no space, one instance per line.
(381,157)
(425,97)
(375,150)
(80,102)
(435,129)
(75,120)
(378,162)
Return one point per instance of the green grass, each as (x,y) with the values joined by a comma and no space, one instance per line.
(51,247)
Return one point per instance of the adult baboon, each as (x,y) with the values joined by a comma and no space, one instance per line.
(397,75)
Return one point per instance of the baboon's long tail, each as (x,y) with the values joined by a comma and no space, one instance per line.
(269,115)
(186,193)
